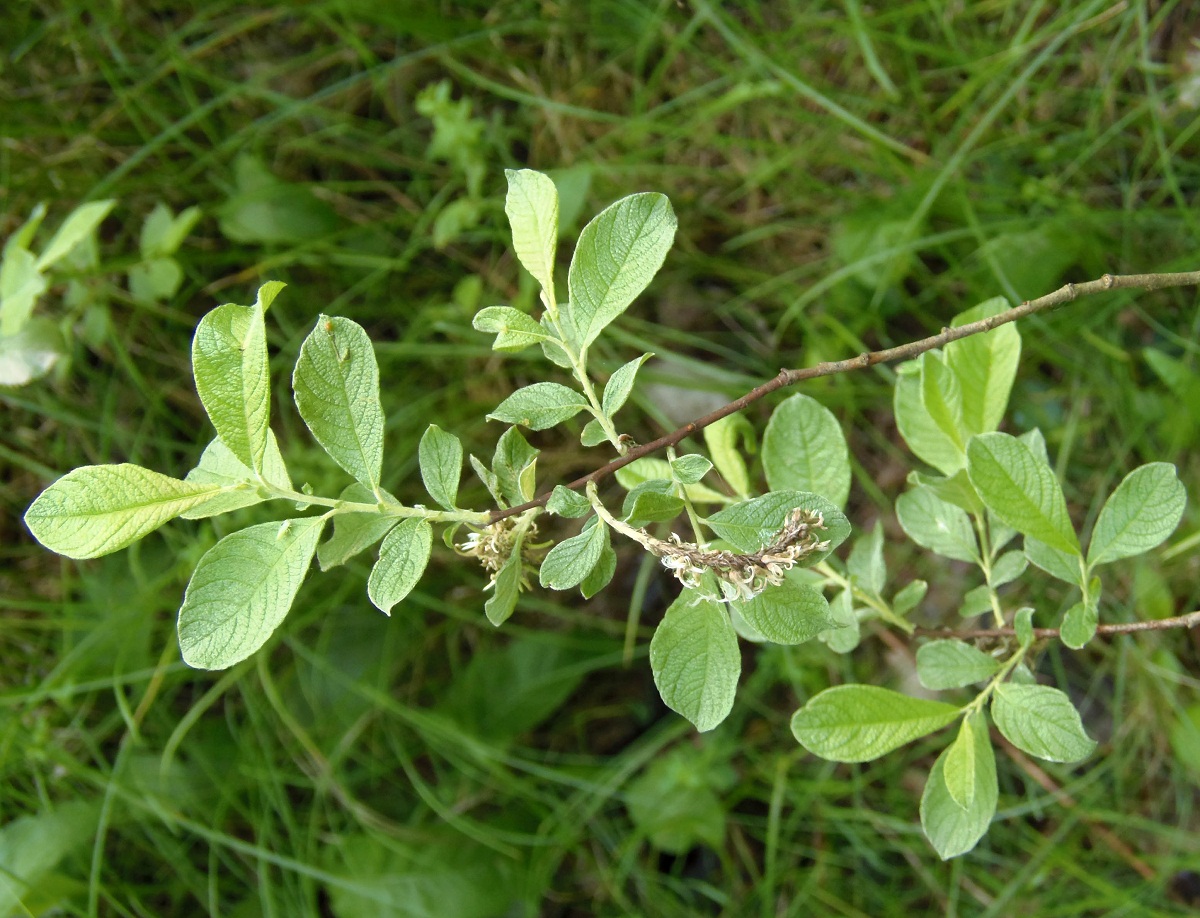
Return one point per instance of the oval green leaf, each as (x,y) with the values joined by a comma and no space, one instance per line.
(1042,721)
(336,382)
(242,589)
(99,509)
(790,613)
(951,828)
(441,457)
(540,406)
(532,208)
(695,660)
(1139,515)
(804,449)
(402,560)
(859,723)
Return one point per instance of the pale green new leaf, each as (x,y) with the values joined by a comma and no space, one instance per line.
(959,768)
(695,660)
(514,464)
(219,466)
(1020,489)
(242,589)
(78,225)
(924,437)
(593,433)
(804,449)
(690,468)
(532,208)
(985,365)
(571,560)
(620,384)
(866,564)
(909,596)
(1007,568)
(790,613)
(1055,562)
(21,283)
(617,256)
(441,456)
(31,353)
(567,503)
(1042,721)
(752,524)
(514,330)
(98,509)
(229,361)
(1080,623)
(937,525)
(506,588)
(540,406)
(941,395)
(1023,626)
(1143,510)
(859,723)
(649,468)
(847,634)
(354,532)
(602,573)
(721,438)
(402,560)
(951,828)
(163,233)
(952,664)
(336,383)
(651,502)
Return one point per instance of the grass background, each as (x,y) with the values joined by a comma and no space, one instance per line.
(846,176)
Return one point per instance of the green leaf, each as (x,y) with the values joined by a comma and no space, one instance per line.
(532,208)
(78,225)
(1055,562)
(1139,515)
(242,589)
(985,366)
(219,466)
(956,489)
(848,634)
(568,503)
(941,395)
(804,449)
(752,524)
(866,564)
(229,361)
(31,352)
(593,433)
(937,525)
(924,437)
(602,573)
(267,293)
(402,560)
(952,664)
(263,210)
(1007,568)
(649,468)
(618,254)
(514,330)
(353,532)
(689,469)
(951,828)
(1020,489)
(959,767)
(651,502)
(790,613)
(540,406)
(1023,626)
(506,587)
(155,280)
(515,466)
(721,439)
(21,283)
(336,383)
(976,601)
(1042,721)
(98,509)
(695,660)
(571,560)
(909,597)
(859,723)
(441,457)
(1079,624)
(163,233)
(674,805)
(620,384)
(489,479)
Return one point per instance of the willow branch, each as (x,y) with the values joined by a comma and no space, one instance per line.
(1191,620)
(1059,297)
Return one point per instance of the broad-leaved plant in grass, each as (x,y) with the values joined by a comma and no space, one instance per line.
(753,564)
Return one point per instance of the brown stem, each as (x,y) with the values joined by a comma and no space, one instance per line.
(1191,620)
(1059,297)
